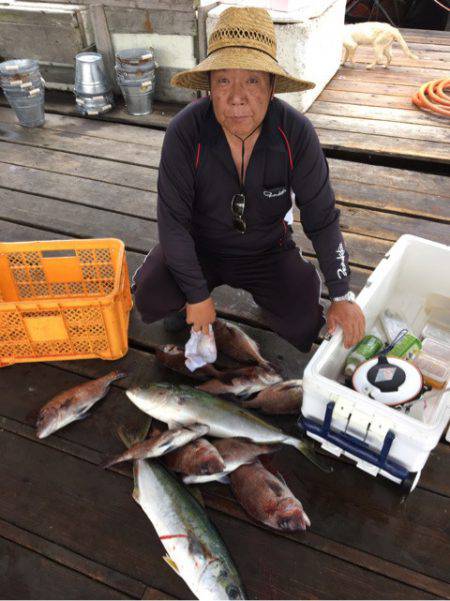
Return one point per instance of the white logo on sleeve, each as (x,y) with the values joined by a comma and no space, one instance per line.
(340,256)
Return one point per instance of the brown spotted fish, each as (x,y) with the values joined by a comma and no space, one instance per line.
(267,498)
(235,452)
(73,404)
(234,342)
(281,398)
(242,382)
(198,457)
(163,443)
(172,356)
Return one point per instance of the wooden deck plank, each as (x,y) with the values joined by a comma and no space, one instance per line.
(63,486)
(407,131)
(380,113)
(366,514)
(384,146)
(28,575)
(97,129)
(368,100)
(396,74)
(149,156)
(72,142)
(138,205)
(142,178)
(92,169)
(140,234)
(142,203)
(66,558)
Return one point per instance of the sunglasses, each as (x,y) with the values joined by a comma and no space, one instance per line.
(237,209)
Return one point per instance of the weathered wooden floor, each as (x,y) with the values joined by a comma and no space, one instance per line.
(71,530)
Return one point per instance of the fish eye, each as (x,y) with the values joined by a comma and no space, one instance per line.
(233,592)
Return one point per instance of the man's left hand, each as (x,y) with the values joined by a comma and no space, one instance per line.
(349,316)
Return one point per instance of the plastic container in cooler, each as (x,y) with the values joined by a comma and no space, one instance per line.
(432,330)
(380,439)
(435,373)
(436,349)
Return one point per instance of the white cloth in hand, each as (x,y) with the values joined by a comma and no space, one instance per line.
(200,349)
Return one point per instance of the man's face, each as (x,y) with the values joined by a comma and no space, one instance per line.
(240,98)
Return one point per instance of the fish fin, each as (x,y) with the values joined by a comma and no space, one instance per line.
(197,494)
(82,415)
(193,427)
(129,438)
(136,492)
(107,462)
(281,478)
(119,375)
(307,449)
(172,564)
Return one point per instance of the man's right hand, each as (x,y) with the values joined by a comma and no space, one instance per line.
(200,315)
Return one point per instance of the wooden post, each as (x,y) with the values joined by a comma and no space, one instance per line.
(201,32)
(103,42)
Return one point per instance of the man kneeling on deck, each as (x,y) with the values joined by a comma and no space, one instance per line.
(229,164)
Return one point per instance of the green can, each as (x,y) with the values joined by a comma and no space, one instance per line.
(369,346)
(406,348)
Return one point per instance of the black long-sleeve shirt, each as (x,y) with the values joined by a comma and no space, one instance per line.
(198,178)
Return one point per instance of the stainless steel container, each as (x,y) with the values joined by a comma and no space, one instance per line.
(90,74)
(29,109)
(138,97)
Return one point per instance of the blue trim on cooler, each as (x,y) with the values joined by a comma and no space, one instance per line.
(354,445)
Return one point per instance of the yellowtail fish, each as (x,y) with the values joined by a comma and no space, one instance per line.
(193,546)
(184,405)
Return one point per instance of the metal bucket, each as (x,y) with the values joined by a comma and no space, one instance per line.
(18,66)
(134,57)
(90,74)
(29,109)
(138,98)
(93,105)
(20,92)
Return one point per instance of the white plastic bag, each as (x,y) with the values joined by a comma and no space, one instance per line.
(200,349)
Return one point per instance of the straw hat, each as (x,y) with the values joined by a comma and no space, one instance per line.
(244,38)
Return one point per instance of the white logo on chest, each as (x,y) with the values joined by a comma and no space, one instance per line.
(271,194)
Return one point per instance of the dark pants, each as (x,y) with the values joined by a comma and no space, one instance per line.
(283,284)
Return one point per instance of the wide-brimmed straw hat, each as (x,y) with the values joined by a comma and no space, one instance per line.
(243,38)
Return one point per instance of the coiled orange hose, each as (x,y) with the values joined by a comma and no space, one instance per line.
(432,97)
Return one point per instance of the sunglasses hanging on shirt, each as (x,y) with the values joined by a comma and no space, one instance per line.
(238,200)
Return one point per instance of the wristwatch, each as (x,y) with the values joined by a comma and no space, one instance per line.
(350,297)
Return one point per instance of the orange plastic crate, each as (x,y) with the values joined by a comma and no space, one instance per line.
(63,299)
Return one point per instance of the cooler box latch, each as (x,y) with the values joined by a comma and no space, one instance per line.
(356,433)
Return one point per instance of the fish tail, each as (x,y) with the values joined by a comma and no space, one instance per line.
(108,462)
(131,437)
(307,449)
(118,375)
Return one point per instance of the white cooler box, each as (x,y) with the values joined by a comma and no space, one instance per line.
(380,439)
